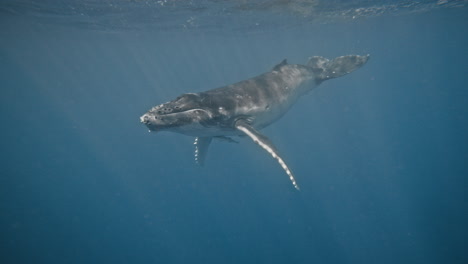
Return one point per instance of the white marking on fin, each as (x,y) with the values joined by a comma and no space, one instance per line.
(263,142)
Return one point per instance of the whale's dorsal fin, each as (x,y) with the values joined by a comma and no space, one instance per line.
(325,69)
(266,144)
(279,65)
(201,148)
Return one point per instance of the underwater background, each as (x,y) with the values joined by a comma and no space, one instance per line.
(381,155)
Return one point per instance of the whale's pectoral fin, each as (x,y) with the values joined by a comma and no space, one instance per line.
(201,148)
(266,144)
(327,69)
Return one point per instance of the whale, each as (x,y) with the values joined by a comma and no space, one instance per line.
(244,108)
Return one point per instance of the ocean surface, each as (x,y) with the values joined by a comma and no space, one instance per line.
(381,154)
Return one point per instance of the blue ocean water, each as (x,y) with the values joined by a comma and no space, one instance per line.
(381,155)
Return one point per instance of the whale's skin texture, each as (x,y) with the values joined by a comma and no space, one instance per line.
(245,107)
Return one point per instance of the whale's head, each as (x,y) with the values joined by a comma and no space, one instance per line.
(183,115)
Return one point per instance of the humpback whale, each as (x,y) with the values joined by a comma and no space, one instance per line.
(244,108)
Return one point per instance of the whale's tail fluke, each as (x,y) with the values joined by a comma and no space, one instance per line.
(326,69)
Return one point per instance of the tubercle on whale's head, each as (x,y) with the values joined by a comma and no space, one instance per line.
(176,115)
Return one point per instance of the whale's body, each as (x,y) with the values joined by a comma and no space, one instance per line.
(245,107)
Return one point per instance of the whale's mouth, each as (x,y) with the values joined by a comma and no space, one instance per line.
(176,121)
(144,119)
